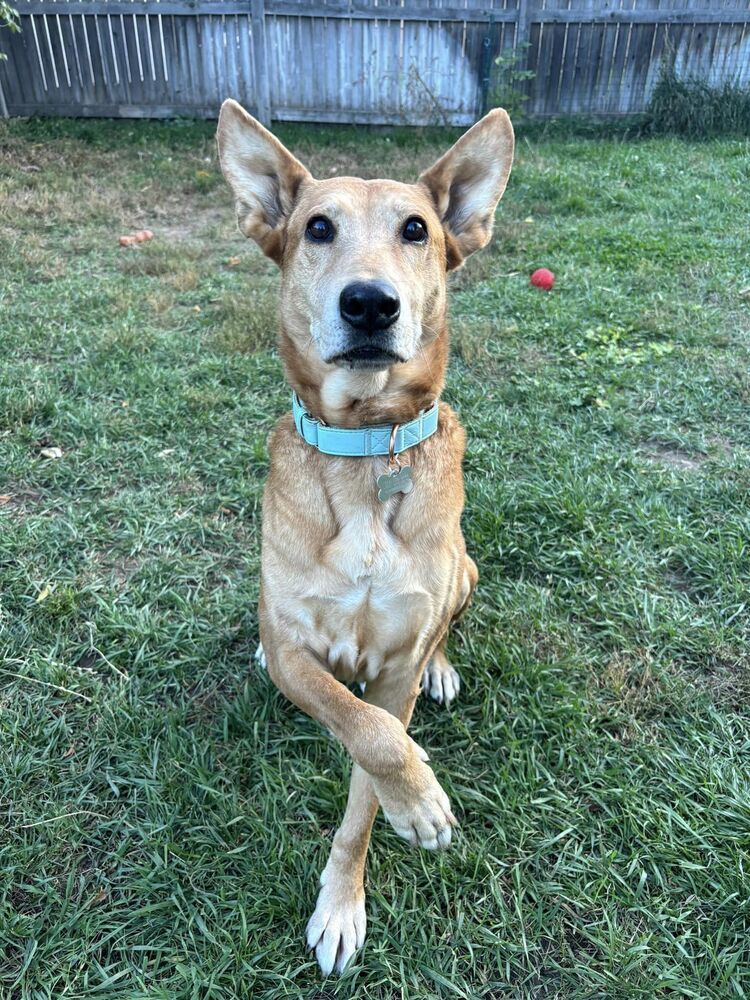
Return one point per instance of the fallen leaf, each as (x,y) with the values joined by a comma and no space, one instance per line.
(233,262)
(196,309)
(51,452)
(44,593)
(6,497)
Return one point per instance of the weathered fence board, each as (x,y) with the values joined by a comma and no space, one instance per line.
(355,61)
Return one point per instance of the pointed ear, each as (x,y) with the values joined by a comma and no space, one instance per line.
(467,183)
(263,175)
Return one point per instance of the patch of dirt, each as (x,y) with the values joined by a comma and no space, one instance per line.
(196,224)
(726,679)
(629,679)
(532,356)
(23,902)
(678,580)
(721,443)
(118,571)
(675,457)
(15,501)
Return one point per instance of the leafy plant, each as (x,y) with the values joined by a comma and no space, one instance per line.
(8,19)
(696,110)
(617,346)
(509,91)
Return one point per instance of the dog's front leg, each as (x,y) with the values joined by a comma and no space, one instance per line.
(373,730)
(388,766)
(416,806)
(413,801)
(337,927)
(375,738)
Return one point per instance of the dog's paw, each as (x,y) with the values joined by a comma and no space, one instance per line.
(337,927)
(260,657)
(440,680)
(417,807)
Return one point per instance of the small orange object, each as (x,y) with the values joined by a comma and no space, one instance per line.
(140,237)
(542,278)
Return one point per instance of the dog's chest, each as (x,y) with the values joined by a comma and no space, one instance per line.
(373,597)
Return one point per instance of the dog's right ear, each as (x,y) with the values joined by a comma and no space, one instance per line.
(263,175)
(467,183)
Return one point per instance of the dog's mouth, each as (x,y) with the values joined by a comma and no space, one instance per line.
(368,356)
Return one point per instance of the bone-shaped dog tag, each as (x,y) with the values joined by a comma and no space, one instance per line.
(397,481)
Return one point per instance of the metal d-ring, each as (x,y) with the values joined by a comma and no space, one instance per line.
(394,462)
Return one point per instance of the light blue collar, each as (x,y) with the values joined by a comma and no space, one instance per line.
(359,442)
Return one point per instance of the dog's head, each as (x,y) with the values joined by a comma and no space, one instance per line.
(363,263)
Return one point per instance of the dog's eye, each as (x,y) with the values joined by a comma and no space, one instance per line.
(319,229)
(415,230)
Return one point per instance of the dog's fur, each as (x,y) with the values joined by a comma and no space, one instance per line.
(353,589)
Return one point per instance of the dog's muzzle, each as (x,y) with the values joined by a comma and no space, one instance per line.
(369,309)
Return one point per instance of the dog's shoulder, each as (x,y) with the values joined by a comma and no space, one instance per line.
(451,428)
(295,482)
(444,450)
(285,444)
(290,457)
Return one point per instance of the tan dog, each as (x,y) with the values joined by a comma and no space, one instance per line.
(355,588)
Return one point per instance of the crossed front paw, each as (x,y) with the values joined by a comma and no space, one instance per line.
(416,806)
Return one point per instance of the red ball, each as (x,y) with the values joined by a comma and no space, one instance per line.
(542,278)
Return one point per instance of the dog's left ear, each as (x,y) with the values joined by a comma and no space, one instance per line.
(467,183)
(263,175)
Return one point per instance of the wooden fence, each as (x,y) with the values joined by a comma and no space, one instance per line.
(337,61)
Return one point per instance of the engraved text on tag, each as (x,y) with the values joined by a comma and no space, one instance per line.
(398,481)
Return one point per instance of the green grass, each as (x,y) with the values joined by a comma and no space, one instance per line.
(165,811)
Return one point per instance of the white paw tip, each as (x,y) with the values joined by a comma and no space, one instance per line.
(451,687)
(442,684)
(444,838)
(335,932)
(260,656)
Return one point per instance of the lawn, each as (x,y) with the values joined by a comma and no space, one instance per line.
(165,811)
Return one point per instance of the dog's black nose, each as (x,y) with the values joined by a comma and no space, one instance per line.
(369,305)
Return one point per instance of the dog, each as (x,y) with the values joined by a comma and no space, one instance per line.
(363,562)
